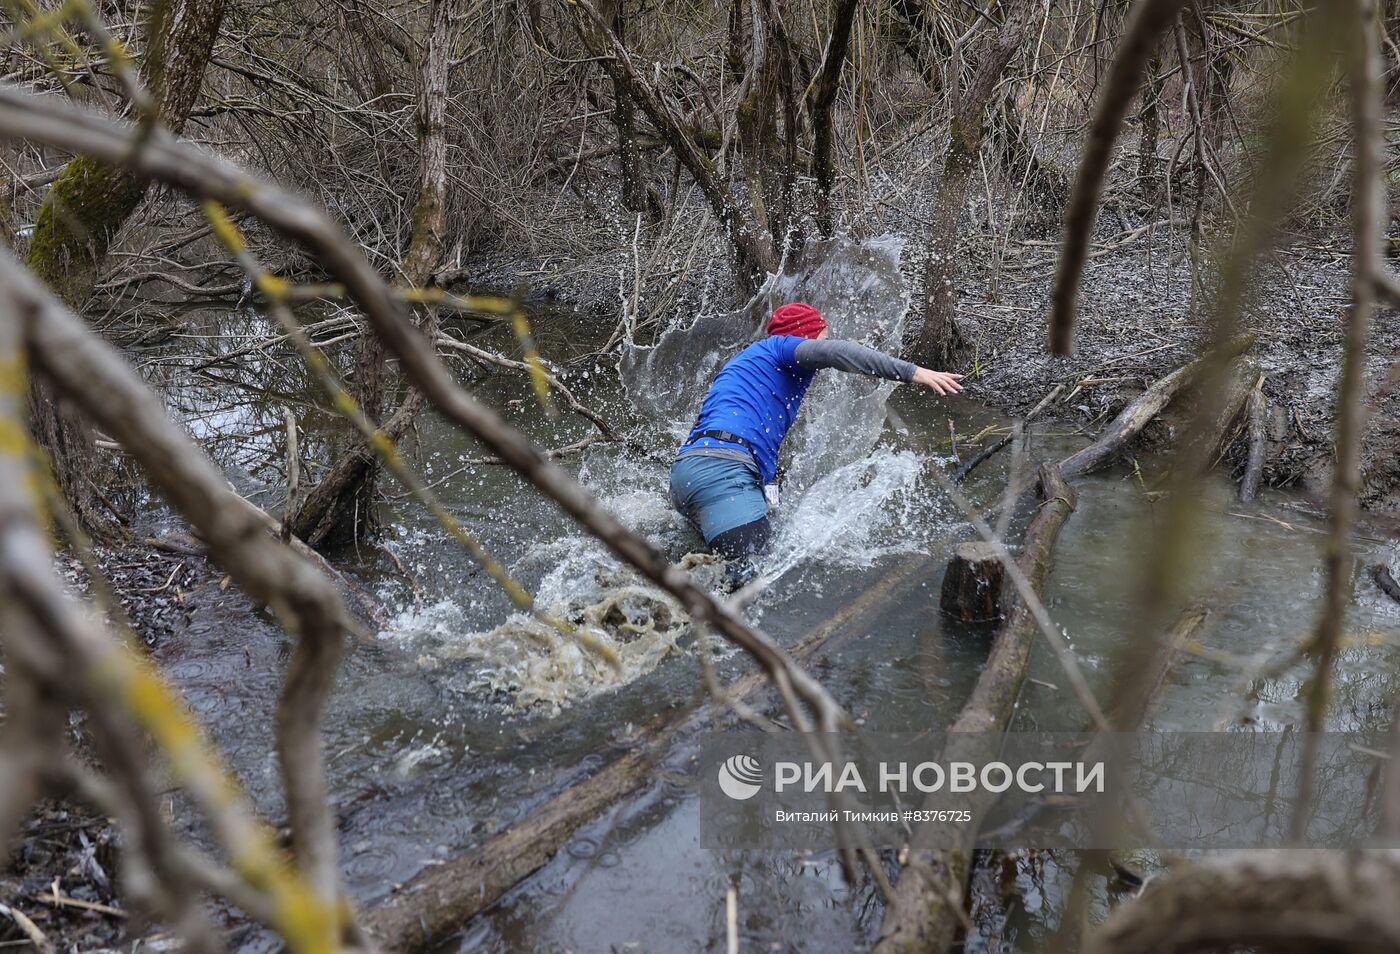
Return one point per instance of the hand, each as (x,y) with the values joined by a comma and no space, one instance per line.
(940,381)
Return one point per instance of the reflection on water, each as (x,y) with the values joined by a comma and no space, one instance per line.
(461,719)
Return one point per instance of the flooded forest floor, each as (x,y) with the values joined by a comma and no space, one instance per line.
(1138,321)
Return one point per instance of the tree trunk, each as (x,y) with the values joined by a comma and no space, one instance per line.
(787,232)
(757,118)
(84,209)
(920,38)
(940,338)
(88,203)
(824,89)
(1149,174)
(635,196)
(341,508)
(753,255)
(736,43)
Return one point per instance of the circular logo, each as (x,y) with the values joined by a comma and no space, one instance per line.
(740,777)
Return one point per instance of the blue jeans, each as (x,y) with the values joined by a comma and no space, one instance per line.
(719,495)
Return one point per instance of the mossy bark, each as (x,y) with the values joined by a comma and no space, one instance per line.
(89,202)
(81,214)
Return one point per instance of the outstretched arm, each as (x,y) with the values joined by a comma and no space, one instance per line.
(858,359)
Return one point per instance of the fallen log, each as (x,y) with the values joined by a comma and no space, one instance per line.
(1265,901)
(1137,415)
(443,898)
(928,900)
(1258,442)
(1129,708)
(1147,676)
(1145,679)
(1126,713)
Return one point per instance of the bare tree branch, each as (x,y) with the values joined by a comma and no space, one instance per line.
(1149,19)
(24,116)
(95,376)
(1367,223)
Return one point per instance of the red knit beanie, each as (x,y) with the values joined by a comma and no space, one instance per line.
(798,319)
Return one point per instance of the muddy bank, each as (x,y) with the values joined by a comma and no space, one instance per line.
(1008,369)
(63,880)
(1137,322)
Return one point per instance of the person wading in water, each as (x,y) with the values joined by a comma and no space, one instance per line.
(721,471)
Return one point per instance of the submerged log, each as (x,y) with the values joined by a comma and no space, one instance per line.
(1258,442)
(1138,691)
(1149,675)
(1137,415)
(443,898)
(1386,581)
(928,900)
(973,582)
(1135,697)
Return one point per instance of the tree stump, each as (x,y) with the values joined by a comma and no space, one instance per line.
(972,585)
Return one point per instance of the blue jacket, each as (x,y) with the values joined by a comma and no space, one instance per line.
(755,396)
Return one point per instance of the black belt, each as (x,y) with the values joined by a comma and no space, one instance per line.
(728,438)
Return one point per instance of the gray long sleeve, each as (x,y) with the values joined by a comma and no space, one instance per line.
(857,358)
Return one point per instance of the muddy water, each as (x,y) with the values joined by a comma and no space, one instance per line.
(458,719)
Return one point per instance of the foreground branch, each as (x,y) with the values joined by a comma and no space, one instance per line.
(159,156)
(1265,900)
(93,375)
(1149,19)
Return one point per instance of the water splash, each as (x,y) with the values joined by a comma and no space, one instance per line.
(850,517)
(857,286)
(844,501)
(532,662)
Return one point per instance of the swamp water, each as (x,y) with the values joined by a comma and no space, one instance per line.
(463,715)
